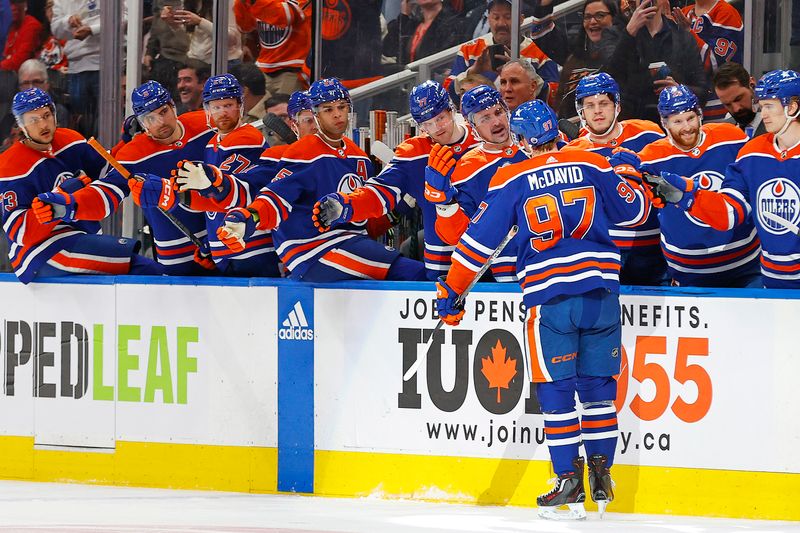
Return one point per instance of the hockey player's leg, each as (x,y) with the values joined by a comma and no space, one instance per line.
(405,269)
(562,430)
(363,258)
(100,254)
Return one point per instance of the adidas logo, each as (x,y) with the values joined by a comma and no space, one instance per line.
(295,326)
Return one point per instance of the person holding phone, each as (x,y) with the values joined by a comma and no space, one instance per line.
(650,38)
(488,54)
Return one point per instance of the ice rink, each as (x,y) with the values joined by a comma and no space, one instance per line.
(52,507)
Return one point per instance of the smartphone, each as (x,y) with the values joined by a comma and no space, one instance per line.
(495,50)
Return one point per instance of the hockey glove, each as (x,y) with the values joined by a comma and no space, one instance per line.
(202,258)
(55,205)
(130,127)
(239,225)
(669,188)
(438,189)
(626,164)
(449,312)
(330,210)
(151,192)
(191,176)
(74,184)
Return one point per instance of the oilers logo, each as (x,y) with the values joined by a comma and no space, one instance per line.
(707,180)
(271,36)
(349,183)
(211,215)
(780,197)
(61,178)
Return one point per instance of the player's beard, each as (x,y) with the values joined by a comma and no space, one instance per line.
(744,116)
(687,139)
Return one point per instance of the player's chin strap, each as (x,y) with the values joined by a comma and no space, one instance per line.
(789,120)
(321,133)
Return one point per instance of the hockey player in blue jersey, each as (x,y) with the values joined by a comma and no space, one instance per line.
(404,176)
(597,100)
(152,155)
(59,162)
(696,254)
(457,193)
(563,203)
(763,184)
(317,165)
(221,182)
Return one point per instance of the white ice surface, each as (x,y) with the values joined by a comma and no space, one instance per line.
(52,507)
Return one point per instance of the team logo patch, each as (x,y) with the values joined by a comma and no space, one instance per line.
(780,197)
(349,183)
(271,36)
(61,178)
(707,180)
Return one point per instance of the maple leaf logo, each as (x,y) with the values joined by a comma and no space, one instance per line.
(498,369)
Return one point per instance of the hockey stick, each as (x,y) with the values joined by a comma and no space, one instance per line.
(460,300)
(127,175)
(782,221)
(382,151)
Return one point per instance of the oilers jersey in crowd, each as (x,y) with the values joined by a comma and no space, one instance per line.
(405,174)
(764,183)
(720,38)
(563,203)
(471,177)
(25,173)
(237,152)
(311,169)
(143,155)
(636,134)
(696,253)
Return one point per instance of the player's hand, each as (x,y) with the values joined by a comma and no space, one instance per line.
(438,189)
(330,210)
(130,127)
(669,188)
(151,192)
(191,176)
(237,226)
(74,184)
(626,164)
(446,307)
(203,258)
(55,205)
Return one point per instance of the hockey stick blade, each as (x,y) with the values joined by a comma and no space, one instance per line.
(782,221)
(382,151)
(460,300)
(116,165)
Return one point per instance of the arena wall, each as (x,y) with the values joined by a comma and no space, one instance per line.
(274,386)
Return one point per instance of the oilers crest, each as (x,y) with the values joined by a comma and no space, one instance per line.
(706,180)
(271,36)
(349,183)
(780,197)
(61,178)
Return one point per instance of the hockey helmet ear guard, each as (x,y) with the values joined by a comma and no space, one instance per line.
(30,100)
(535,122)
(427,100)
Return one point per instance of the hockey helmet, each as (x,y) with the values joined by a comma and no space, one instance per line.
(298,101)
(594,84)
(30,100)
(148,97)
(327,90)
(427,100)
(677,99)
(778,84)
(535,122)
(221,87)
(478,99)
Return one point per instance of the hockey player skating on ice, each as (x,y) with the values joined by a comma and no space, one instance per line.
(151,155)
(597,100)
(433,111)
(568,267)
(698,255)
(763,184)
(458,194)
(317,165)
(57,162)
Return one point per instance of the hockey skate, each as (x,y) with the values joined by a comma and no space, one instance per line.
(568,490)
(601,485)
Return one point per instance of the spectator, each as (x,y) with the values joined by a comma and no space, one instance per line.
(191,78)
(474,56)
(254,89)
(167,47)
(5,21)
(278,105)
(284,32)
(719,32)
(196,20)
(520,83)
(469,81)
(735,89)
(413,35)
(654,53)
(24,38)
(52,53)
(33,73)
(78,23)
(591,49)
